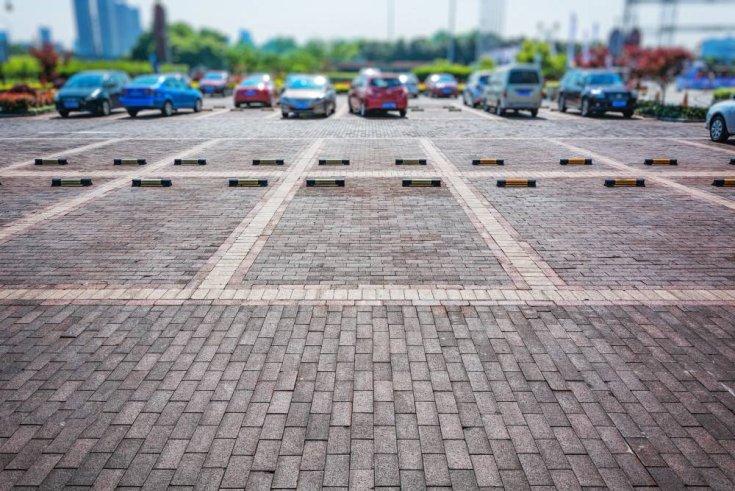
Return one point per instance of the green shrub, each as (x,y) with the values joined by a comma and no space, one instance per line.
(461,72)
(669,111)
(132,68)
(723,94)
(22,67)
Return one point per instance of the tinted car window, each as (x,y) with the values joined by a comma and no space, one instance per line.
(483,80)
(385,82)
(307,83)
(146,80)
(604,79)
(85,81)
(523,77)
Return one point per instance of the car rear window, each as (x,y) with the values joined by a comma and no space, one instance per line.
(483,80)
(385,82)
(604,79)
(523,77)
(147,80)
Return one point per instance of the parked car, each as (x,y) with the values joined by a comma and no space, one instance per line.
(596,92)
(97,92)
(378,93)
(518,87)
(308,95)
(442,85)
(411,83)
(257,88)
(214,83)
(721,121)
(167,93)
(474,89)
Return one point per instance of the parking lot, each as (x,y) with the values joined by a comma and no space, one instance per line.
(372,335)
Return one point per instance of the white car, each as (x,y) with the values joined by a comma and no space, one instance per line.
(721,121)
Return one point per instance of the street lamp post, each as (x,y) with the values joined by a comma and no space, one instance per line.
(452,23)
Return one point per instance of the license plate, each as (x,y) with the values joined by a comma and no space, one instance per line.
(208,88)
(447,91)
(619,103)
(389,105)
(523,92)
(250,93)
(71,104)
(301,106)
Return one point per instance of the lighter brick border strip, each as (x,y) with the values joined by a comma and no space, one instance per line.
(60,209)
(730,150)
(655,177)
(528,266)
(235,251)
(373,296)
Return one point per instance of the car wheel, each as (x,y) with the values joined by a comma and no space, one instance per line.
(485,106)
(104,109)
(168,109)
(198,106)
(534,113)
(585,110)
(402,112)
(64,114)
(562,104)
(350,109)
(628,114)
(465,100)
(363,111)
(718,129)
(133,112)
(499,111)
(284,115)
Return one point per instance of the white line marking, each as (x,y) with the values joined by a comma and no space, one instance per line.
(71,151)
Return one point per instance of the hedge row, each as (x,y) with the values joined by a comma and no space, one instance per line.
(724,94)
(671,112)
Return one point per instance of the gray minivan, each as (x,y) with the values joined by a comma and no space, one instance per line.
(517,87)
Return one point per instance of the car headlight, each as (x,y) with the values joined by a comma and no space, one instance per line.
(94,95)
(597,93)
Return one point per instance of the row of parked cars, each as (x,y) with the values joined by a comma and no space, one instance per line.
(521,88)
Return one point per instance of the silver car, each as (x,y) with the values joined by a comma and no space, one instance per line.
(721,121)
(308,95)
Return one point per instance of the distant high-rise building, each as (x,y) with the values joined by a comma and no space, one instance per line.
(490,26)
(44,35)
(88,45)
(245,37)
(129,26)
(105,28)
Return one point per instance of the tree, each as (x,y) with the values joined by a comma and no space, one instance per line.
(661,65)
(48,58)
(552,65)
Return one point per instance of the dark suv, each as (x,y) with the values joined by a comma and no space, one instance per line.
(596,92)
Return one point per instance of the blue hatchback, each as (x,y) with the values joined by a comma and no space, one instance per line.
(167,93)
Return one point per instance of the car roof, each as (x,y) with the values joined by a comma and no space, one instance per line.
(384,75)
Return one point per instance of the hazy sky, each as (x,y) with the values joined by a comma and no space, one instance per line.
(305,19)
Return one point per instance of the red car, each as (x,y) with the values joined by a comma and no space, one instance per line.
(214,83)
(257,89)
(377,92)
(442,85)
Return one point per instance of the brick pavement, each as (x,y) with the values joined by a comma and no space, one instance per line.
(368,336)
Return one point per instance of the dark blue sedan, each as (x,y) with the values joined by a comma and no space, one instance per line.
(166,93)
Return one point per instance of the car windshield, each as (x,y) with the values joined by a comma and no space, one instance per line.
(408,79)
(85,81)
(385,82)
(314,83)
(604,79)
(523,77)
(252,81)
(147,80)
(483,80)
(214,76)
(443,78)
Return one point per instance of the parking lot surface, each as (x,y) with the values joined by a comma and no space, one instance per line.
(370,335)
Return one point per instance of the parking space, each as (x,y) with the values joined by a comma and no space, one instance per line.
(13,151)
(372,155)
(705,184)
(131,236)
(101,158)
(238,155)
(374,232)
(635,152)
(21,197)
(649,237)
(518,155)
